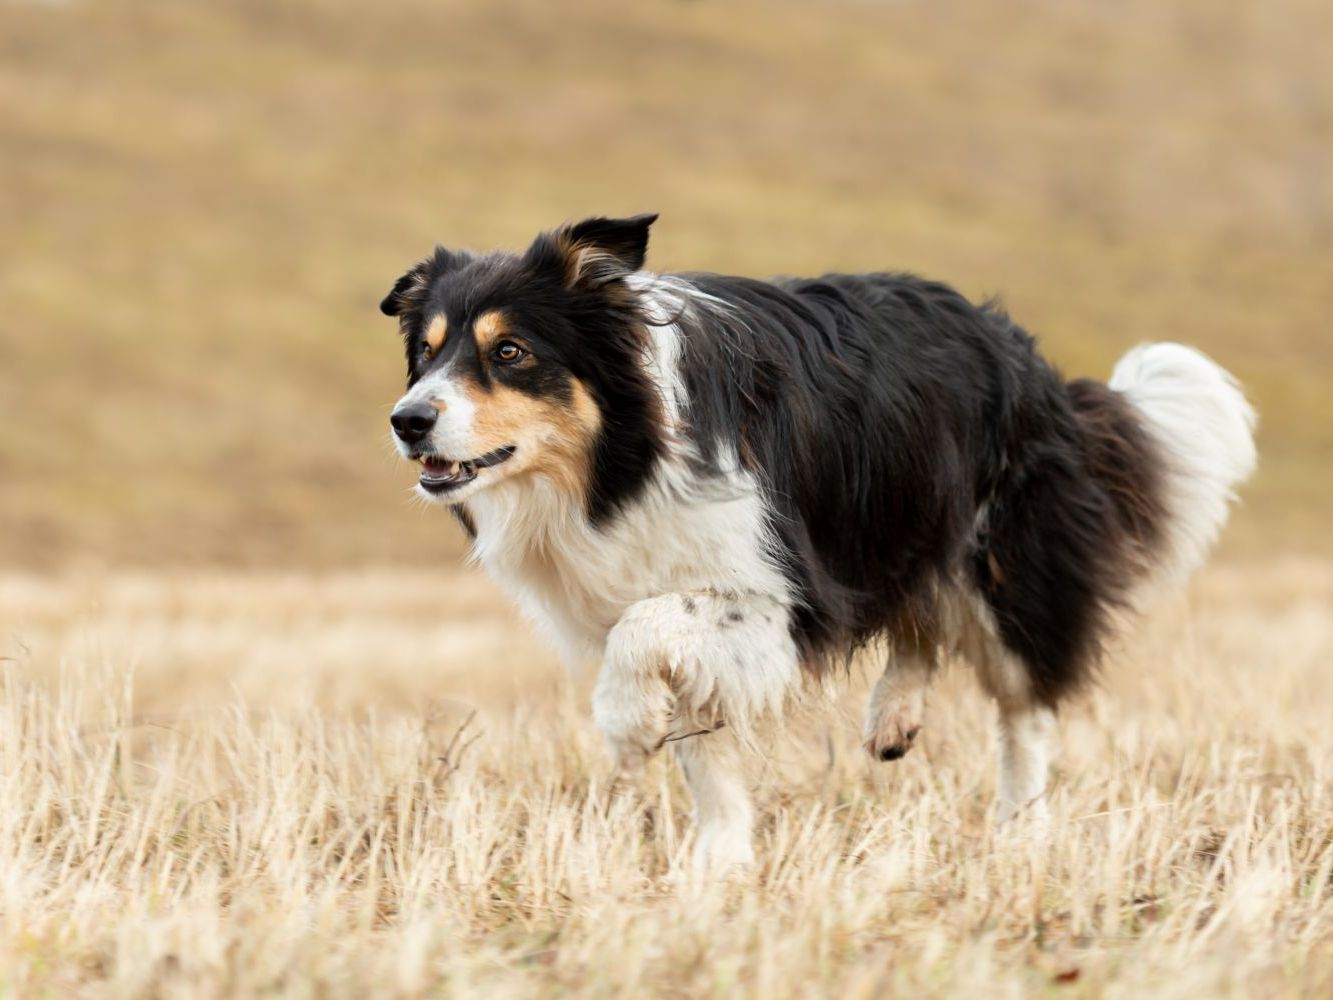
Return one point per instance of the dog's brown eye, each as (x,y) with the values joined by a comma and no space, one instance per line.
(426,352)
(508,353)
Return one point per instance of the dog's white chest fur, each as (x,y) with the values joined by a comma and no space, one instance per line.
(576,581)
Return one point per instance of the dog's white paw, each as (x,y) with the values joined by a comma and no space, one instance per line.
(634,718)
(723,849)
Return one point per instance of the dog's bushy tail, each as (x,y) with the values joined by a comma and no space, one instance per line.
(1202,430)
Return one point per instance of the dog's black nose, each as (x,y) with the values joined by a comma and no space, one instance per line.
(413,422)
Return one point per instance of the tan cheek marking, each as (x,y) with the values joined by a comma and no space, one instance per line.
(504,416)
(436,332)
(588,416)
(488,328)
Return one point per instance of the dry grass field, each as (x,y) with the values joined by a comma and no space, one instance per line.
(260,733)
(239,785)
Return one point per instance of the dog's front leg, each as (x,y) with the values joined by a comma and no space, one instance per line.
(681,665)
(634,699)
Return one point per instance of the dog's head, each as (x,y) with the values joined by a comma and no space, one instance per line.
(530,364)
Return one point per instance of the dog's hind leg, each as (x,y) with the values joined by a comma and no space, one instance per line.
(897,709)
(1027,736)
(1027,740)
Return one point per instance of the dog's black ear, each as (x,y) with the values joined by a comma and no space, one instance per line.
(408,289)
(394,303)
(624,239)
(596,250)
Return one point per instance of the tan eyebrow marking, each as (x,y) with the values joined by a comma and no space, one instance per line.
(489,327)
(436,332)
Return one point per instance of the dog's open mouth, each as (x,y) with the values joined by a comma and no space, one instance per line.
(440,475)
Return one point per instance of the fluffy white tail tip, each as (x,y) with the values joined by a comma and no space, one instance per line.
(1205,428)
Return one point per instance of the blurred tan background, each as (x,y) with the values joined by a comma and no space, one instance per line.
(201,205)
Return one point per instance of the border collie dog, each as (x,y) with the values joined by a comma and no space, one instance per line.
(718,487)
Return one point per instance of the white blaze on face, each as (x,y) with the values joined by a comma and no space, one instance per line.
(453,433)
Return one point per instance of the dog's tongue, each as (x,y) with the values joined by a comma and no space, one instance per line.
(439,468)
